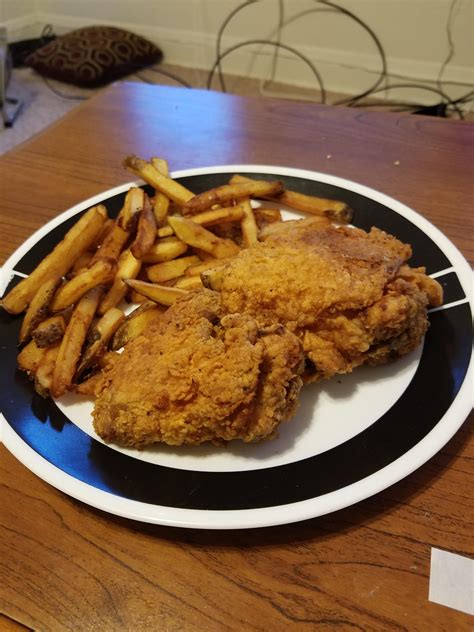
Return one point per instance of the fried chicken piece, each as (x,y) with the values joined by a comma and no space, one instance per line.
(196,375)
(346,293)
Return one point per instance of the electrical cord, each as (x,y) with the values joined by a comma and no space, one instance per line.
(450,55)
(218,58)
(382,75)
(281,25)
(165,73)
(221,55)
(217,66)
(62,95)
(447,101)
(465,98)
(266,42)
(274,40)
(72,97)
(380,47)
(378,44)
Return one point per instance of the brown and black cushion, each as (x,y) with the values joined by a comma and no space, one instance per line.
(94,56)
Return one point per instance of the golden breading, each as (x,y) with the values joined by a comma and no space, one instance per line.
(198,375)
(346,293)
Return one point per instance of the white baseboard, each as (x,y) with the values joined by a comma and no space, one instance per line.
(341,71)
(25,27)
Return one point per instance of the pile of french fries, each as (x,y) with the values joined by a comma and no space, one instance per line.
(75,301)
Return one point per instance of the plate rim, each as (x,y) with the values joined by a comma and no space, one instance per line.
(343,497)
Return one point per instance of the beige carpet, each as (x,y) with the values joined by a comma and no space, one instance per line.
(40,106)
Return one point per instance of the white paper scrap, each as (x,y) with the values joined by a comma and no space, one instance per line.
(452,580)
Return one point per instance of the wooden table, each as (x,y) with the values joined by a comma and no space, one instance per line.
(65,566)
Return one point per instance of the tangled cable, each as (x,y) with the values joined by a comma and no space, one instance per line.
(351,101)
(357,100)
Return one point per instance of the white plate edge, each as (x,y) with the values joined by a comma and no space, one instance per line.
(431,230)
(302,510)
(339,499)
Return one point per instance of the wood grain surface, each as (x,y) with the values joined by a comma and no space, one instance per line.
(66,566)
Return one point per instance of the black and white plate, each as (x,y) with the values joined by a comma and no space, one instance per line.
(352,437)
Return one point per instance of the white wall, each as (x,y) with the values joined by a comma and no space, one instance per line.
(19,16)
(16,9)
(413,33)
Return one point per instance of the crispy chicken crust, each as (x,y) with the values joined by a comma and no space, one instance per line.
(347,294)
(308,302)
(196,375)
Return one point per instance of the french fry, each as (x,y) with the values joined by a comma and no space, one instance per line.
(264,216)
(100,335)
(199,237)
(160,207)
(71,344)
(88,387)
(165,249)
(210,218)
(118,235)
(67,313)
(50,331)
(128,268)
(111,247)
(230,192)
(106,228)
(158,293)
(219,215)
(146,231)
(166,185)
(189,282)
(197,269)
(168,270)
(334,209)
(160,164)
(81,263)
(38,307)
(30,357)
(44,372)
(69,293)
(143,308)
(133,204)
(135,297)
(135,324)
(76,241)
(183,239)
(202,254)
(161,202)
(229,230)
(248,225)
